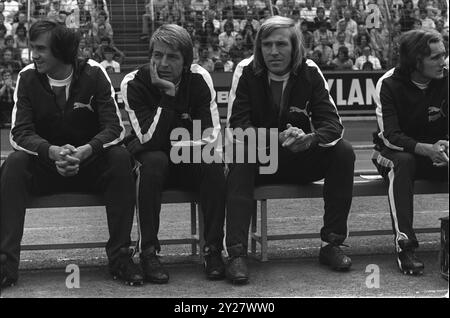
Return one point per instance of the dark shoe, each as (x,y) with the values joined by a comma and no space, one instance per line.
(8,276)
(407,260)
(154,272)
(237,270)
(332,255)
(214,266)
(125,269)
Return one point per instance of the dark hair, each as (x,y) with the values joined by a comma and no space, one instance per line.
(23,28)
(105,38)
(414,47)
(343,50)
(63,41)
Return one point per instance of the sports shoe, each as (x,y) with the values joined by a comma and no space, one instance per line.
(214,266)
(333,256)
(407,260)
(154,272)
(125,269)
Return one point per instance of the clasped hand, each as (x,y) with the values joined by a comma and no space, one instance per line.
(67,158)
(295,139)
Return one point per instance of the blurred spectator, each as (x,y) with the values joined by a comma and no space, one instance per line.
(360,42)
(21,20)
(249,19)
(101,28)
(53,14)
(321,18)
(367,61)
(417,25)
(308,13)
(2,37)
(9,63)
(308,38)
(204,60)
(323,35)
(68,5)
(189,26)
(208,36)
(264,15)
(238,49)
(350,24)
(108,53)
(227,38)
(361,30)
(7,86)
(427,22)
(407,16)
(327,53)
(340,42)
(211,17)
(224,64)
(341,27)
(7,25)
(11,7)
(214,50)
(11,45)
(20,38)
(248,35)
(106,45)
(229,19)
(87,53)
(343,61)
(199,5)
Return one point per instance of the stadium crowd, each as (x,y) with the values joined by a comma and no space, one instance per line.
(338,34)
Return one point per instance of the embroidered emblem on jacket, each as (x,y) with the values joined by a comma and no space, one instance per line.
(77,105)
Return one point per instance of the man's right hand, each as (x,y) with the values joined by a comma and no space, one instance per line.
(437,152)
(164,85)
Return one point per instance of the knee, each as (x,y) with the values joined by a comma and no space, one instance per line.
(402,160)
(154,164)
(343,151)
(119,158)
(16,163)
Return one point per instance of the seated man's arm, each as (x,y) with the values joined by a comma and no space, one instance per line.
(23,135)
(112,130)
(151,120)
(326,122)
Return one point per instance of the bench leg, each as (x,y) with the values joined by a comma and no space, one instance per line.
(194,227)
(263,230)
(253,227)
(201,226)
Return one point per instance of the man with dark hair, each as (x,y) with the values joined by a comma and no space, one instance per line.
(65,129)
(167,95)
(278,88)
(412,139)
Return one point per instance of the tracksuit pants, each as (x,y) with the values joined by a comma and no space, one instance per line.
(400,169)
(335,164)
(158,173)
(109,173)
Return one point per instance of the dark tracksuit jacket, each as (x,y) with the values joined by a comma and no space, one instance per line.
(306,104)
(153,116)
(406,115)
(90,116)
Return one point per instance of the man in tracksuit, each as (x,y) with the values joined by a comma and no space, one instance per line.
(412,116)
(278,88)
(164,98)
(65,131)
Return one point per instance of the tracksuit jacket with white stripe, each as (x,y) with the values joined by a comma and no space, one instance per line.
(154,114)
(406,115)
(90,116)
(306,103)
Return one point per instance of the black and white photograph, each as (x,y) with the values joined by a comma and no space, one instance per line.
(224,156)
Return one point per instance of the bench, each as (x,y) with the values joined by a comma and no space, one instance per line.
(67,200)
(362,187)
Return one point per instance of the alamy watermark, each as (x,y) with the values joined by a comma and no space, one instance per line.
(252,145)
(73,279)
(373,280)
